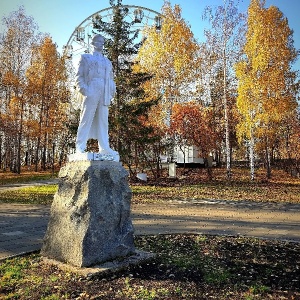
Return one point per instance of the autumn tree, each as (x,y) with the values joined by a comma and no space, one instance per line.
(191,124)
(216,92)
(265,90)
(225,39)
(287,147)
(48,96)
(170,54)
(291,144)
(20,35)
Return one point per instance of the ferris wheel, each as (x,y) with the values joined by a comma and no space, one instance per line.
(80,40)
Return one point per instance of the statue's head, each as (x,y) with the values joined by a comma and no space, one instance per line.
(97,39)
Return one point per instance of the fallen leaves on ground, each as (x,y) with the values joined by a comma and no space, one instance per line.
(186,267)
(192,184)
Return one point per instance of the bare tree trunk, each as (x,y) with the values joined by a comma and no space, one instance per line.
(18,156)
(226,120)
(37,154)
(1,159)
(268,163)
(225,103)
(251,157)
(43,158)
(19,148)
(53,158)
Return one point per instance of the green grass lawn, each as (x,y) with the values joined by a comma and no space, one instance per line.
(29,195)
(282,188)
(143,194)
(7,178)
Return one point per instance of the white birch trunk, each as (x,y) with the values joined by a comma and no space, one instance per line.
(251,157)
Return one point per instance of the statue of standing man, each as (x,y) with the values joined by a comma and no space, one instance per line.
(95,81)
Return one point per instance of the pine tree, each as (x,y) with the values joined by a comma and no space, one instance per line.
(130,132)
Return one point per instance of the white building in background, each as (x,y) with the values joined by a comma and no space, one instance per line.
(187,155)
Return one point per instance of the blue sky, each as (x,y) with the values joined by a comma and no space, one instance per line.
(60,17)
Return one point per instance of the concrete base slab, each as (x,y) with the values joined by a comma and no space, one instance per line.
(108,267)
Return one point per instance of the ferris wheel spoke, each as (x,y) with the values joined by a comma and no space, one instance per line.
(80,39)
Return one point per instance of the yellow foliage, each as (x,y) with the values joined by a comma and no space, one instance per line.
(263,92)
(9,79)
(15,106)
(169,53)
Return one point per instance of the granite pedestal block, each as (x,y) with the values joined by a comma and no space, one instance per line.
(90,216)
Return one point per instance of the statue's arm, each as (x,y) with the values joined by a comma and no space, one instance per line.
(81,76)
(111,79)
(110,87)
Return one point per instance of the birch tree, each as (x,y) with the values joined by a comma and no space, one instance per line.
(169,54)
(20,35)
(265,91)
(226,39)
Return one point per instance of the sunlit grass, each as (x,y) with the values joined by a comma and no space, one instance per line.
(12,178)
(281,188)
(29,195)
(11,271)
(270,193)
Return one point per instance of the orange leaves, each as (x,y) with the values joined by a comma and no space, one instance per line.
(266,94)
(191,123)
(46,67)
(15,106)
(38,95)
(9,79)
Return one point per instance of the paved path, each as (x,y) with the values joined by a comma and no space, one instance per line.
(22,227)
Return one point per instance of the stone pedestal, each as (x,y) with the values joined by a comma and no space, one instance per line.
(90,215)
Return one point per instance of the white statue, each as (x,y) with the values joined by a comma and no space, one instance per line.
(95,82)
